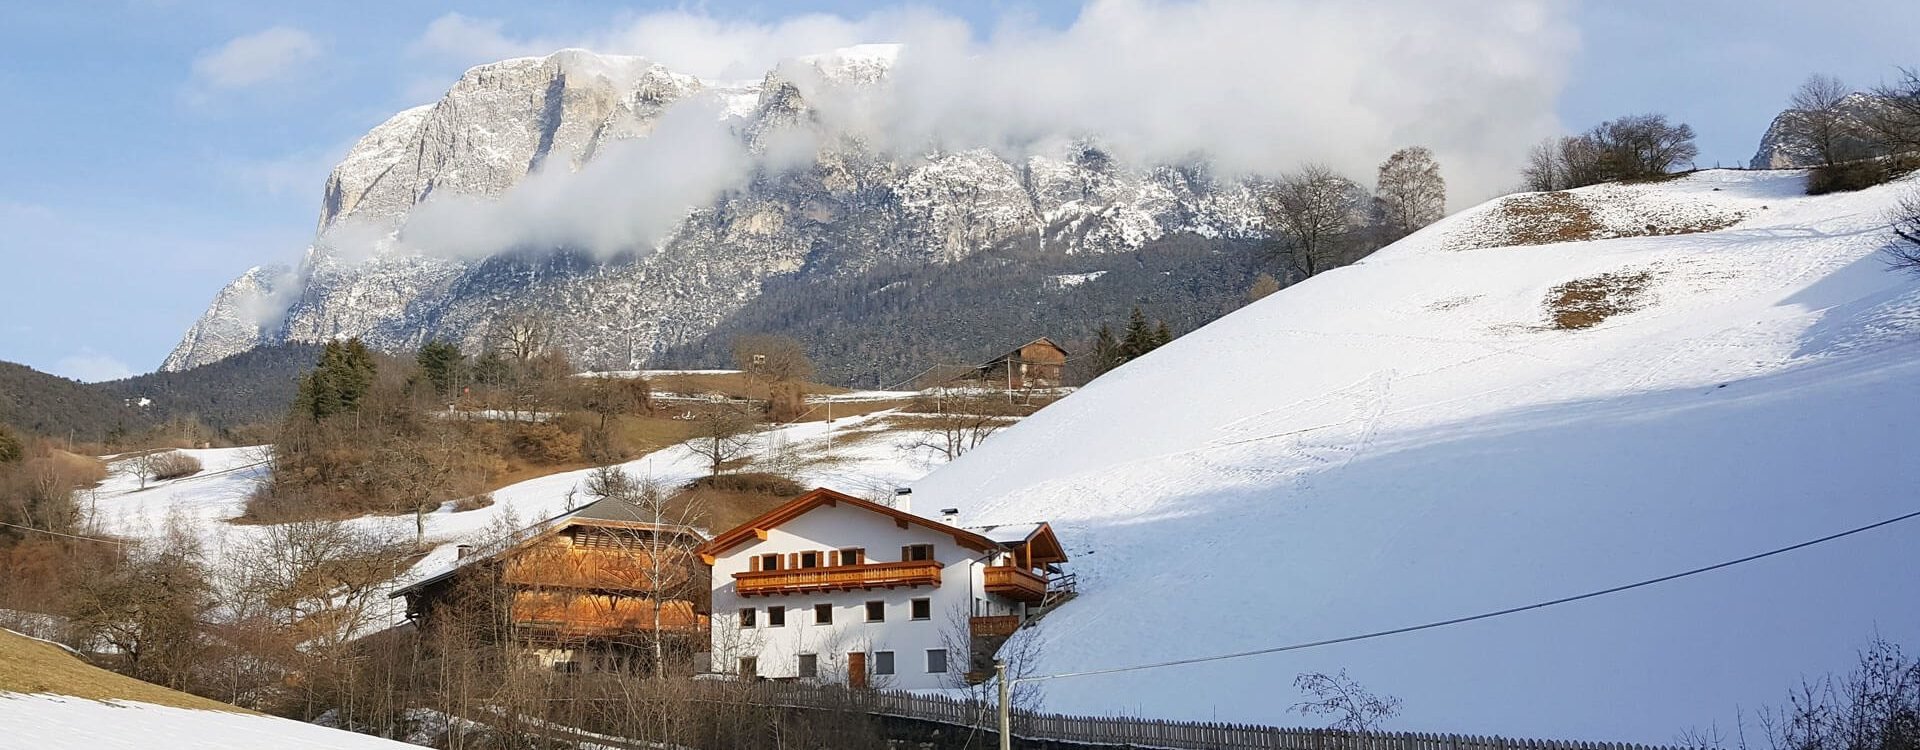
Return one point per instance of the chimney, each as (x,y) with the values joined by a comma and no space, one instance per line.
(950,516)
(462,551)
(903,499)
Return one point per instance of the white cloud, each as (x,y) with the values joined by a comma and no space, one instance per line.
(256,58)
(90,366)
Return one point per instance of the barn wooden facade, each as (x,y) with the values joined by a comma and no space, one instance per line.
(1039,363)
(580,590)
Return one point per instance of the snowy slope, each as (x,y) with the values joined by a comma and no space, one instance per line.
(57,721)
(1406,440)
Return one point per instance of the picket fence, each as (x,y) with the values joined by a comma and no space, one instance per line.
(1131,732)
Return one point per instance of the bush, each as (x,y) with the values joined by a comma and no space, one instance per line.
(1860,174)
(750,482)
(173,465)
(544,443)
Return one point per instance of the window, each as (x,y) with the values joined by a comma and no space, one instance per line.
(746,618)
(823,614)
(853,556)
(776,617)
(769,562)
(809,666)
(916,553)
(883,662)
(923,609)
(936,661)
(749,667)
(876,611)
(809,559)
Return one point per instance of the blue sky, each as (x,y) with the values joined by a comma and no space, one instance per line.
(154,149)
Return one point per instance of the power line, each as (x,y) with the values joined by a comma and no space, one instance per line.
(69,536)
(1471,618)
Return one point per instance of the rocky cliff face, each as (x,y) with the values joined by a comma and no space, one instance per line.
(850,210)
(1785,145)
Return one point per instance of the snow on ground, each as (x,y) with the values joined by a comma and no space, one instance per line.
(57,721)
(1070,280)
(1406,440)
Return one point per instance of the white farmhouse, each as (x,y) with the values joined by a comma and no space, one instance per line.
(832,588)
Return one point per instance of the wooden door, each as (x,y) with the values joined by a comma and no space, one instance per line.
(857,670)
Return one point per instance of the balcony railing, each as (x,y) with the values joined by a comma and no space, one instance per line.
(598,569)
(838,578)
(993,626)
(1014,583)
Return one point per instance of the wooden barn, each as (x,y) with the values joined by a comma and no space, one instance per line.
(581,591)
(1036,364)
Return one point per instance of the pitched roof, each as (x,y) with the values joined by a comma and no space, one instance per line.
(1041,543)
(758,527)
(603,512)
(1010,353)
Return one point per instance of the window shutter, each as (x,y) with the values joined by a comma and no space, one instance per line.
(833,558)
(906,553)
(793,560)
(756,563)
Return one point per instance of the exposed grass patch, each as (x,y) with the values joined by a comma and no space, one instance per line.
(1585,303)
(723,502)
(732,384)
(30,666)
(1547,218)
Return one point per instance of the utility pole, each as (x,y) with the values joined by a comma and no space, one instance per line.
(1006,704)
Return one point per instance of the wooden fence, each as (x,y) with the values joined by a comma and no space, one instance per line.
(1130,732)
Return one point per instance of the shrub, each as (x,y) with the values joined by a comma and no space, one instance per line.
(546,444)
(1859,174)
(750,482)
(173,465)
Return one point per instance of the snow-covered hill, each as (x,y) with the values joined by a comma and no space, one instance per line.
(1413,438)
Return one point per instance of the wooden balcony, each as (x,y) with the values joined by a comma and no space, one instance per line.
(600,570)
(838,578)
(599,616)
(996,626)
(1015,583)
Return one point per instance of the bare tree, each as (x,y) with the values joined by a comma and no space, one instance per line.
(150,606)
(1316,215)
(773,359)
(1544,171)
(721,434)
(954,422)
(1263,285)
(1408,192)
(1905,217)
(1628,148)
(1354,708)
(1894,120)
(520,335)
(1819,118)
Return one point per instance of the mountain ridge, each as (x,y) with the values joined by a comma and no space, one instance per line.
(851,208)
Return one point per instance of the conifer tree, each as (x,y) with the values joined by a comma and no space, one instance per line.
(1139,337)
(1106,351)
(344,374)
(1162,335)
(440,361)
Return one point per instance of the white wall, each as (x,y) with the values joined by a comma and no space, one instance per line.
(777,649)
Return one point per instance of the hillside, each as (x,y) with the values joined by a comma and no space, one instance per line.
(1542,396)
(51,699)
(250,387)
(51,405)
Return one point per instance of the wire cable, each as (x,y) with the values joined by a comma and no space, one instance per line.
(1471,618)
(69,536)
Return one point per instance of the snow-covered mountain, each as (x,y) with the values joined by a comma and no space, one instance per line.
(852,208)
(1464,423)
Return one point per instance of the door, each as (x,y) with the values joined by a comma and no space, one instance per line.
(857,670)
